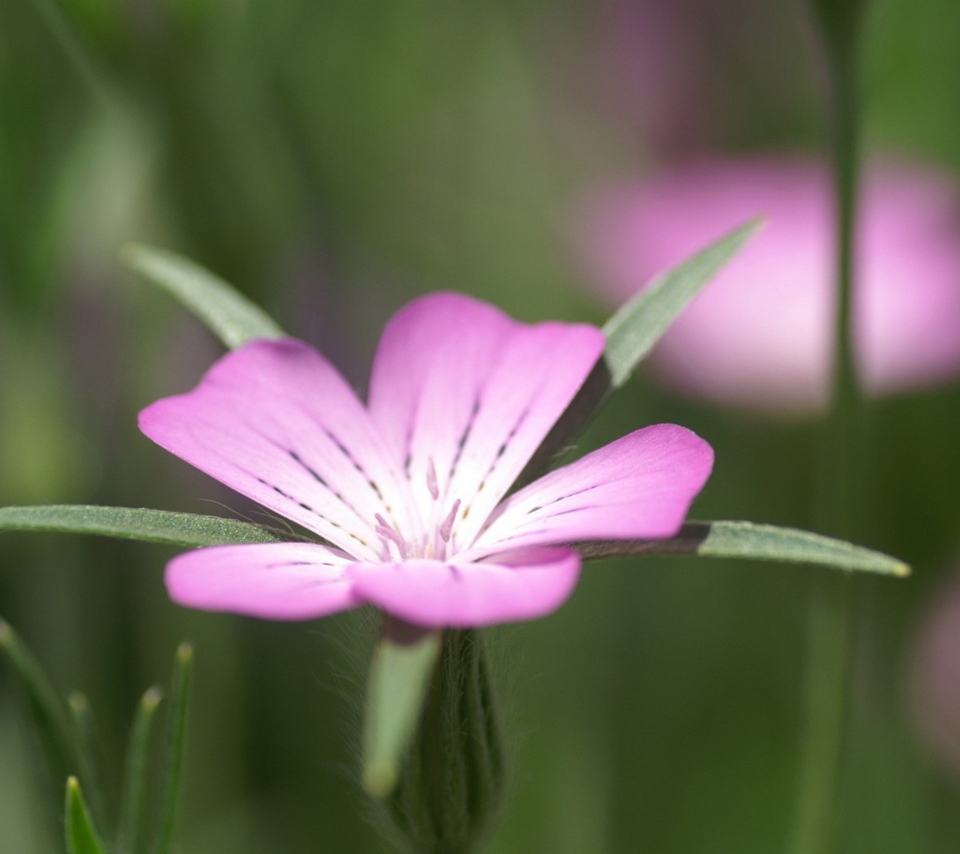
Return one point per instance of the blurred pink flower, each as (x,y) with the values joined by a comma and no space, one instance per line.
(408,492)
(759,335)
(934,674)
(656,53)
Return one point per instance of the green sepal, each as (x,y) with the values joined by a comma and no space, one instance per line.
(81,836)
(400,670)
(750,541)
(453,778)
(149,526)
(233,318)
(631,333)
(641,322)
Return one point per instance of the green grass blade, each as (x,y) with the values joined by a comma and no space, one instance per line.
(54,725)
(399,675)
(81,836)
(150,526)
(77,54)
(750,541)
(173,758)
(130,826)
(91,756)
(232,317)
(639,324)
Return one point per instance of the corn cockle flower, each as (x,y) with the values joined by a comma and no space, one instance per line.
(409,495)
(760,334)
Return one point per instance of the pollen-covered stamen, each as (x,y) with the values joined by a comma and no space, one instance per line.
(447,527)
(432,480)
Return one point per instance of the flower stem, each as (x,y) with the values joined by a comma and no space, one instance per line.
(451,787)
(828,631)
(824,711)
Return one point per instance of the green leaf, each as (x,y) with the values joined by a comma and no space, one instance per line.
(173,760)
(91,755)
(631,334)
(233,318)
(81,836)
(136,770)
(150,526)
(750,541)
(49,712)
(399,675)
(639,324)
(57,733)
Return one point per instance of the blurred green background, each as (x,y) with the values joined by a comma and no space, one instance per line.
(334,159)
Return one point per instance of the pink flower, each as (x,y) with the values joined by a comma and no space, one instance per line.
(760,334)
(410,492)
(934,674)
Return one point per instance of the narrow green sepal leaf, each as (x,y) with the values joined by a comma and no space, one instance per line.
(91,756)
(173,758)
(82,715)
(150,526)
(639,324)
(53,722)
(233,318)
(751,541)
(81,836)
(136,771)
(631,334)
(399,675)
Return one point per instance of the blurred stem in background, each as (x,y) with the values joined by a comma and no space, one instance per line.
(79,57)
(841,483)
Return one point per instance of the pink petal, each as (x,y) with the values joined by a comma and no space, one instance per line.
(517,586)
(460,386)
(276,581)
(277,423)
(638,487)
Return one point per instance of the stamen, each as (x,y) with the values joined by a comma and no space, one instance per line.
(432,479)
(447,527)
(384,530)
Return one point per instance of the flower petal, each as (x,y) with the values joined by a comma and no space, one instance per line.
(276,581)
(638,487)
(277,423)
(521,585)
(464,395)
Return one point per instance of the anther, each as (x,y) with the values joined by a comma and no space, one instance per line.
(432,479)
(447,527)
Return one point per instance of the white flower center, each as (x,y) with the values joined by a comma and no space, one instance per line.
(434,544)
